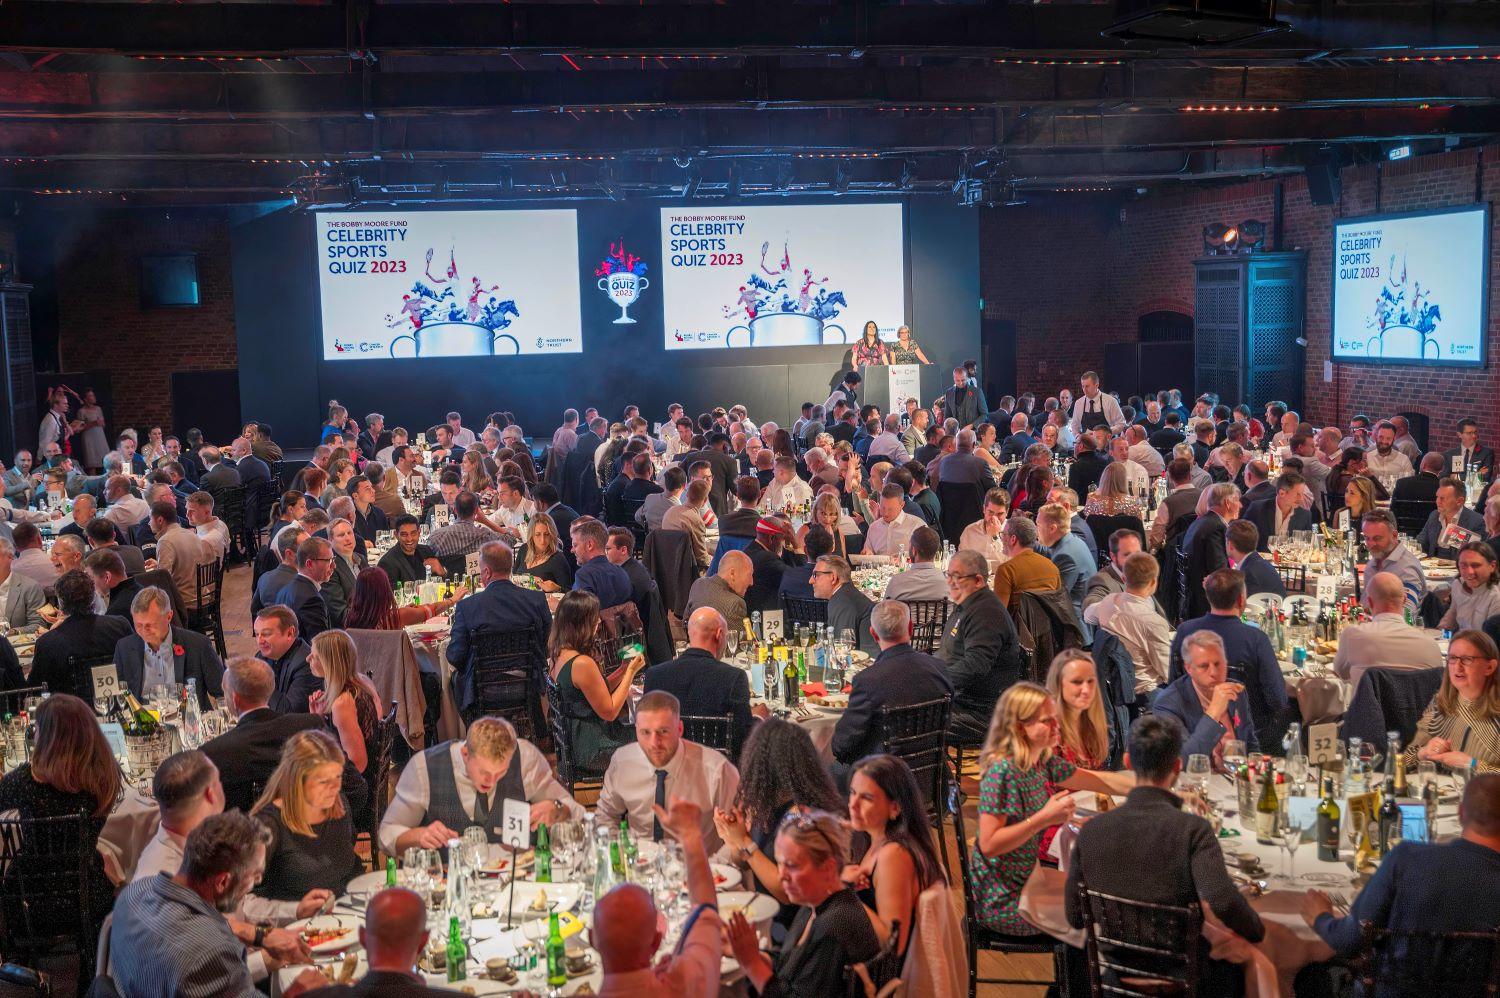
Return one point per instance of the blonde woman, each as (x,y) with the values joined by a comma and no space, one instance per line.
(1019,761)
(1359,498)
(541,557)
(311,836)
(348,700)
(473,476)
(827,514)
(1461,726)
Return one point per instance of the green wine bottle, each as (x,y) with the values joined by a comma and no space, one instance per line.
(390,871)
(543,862)
(1328,824)
(1267,806)
(458,953)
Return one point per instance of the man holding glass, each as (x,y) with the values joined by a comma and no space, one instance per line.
(1205,703)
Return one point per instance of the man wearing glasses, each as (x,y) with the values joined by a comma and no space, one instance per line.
(980,648)
(302,594)
(848,608)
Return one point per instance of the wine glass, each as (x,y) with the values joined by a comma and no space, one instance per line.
(414,872)
(567,842)
(1353,830)
(1198,770)
(1235,756)
(1296,771)
(432,863)
(731,642)
(1290,834)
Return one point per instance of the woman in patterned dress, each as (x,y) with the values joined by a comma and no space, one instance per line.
(1460,728)
(906,350)
(870,349)
(1019,761)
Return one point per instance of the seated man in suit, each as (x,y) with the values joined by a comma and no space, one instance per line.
(898,677)
(346,566)
(1206,681)
(24,598)
(161,654)
(848,608)
(1425,887)
(980,647)
(457,784)
(82,636)
(114,587)
(409,560)
(1286,512)
(1151,831)
(1450,510)
(1203,551)
(1240,540)
(394,936)
(102,535)
(704,685)
(285,545)
(303,594)
(1469,454)
(1415,496)
(499,606)
(279,647)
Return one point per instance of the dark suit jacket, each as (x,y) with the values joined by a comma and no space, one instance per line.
(248,753)
(849,609)
(135,561)
(563,517)
(269,585)
(767,570)
(252,469)
(1087,469)
(965,404)
(1203,554)
(1265,490)
(1263,515)
(706,687)
(1421,487)
(295,681)
(1261,576)
(982,652)
(1482,456)
(87,637)
(1433,529)
(1149,849)
(198,661)
(502,606)
(120,598)
(725,469)
(1179,700)
(899,676)
(384,984)
(303,598)
(222,476)
(337,591)
(74,530)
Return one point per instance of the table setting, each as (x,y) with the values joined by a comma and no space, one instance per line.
(822,697)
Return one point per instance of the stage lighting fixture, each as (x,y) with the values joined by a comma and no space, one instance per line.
(1219,238)
(608,185)
(1252,235)
(908,173)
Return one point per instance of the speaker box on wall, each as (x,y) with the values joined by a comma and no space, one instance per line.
(1323,182)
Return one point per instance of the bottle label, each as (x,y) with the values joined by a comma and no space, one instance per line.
(1265,826)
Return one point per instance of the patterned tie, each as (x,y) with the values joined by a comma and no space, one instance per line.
(661,800)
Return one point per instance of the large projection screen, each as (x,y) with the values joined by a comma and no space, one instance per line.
(787,275)
(1412,288)
(402,284)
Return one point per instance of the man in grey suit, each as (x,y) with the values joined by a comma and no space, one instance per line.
(159,654)
(21,599)
(339,589)
(848,608)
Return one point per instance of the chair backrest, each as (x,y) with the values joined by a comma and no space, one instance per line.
(728,542)
(714,731)
(80,669)
(798,610)
(955,809)
(47,903)
(162,579)
(918,734)
(12,702)
(1136,944)
(1293,577)
(379,776)
(1389,700)
(1450,964)
(928,618)
(560,741)
(1411,514)
(505,662)
(618,626)
(206,576)
(961,503)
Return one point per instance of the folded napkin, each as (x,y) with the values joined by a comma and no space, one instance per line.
(814,690)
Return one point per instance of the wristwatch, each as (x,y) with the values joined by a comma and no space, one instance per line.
(748,849)
(261,928)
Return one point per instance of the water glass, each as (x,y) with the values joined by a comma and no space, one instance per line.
(1291,838)
(1197,770)
(1296,771)
(1235,756)
(1426,773)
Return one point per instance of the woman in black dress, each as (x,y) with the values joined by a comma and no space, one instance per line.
(312,837)
(542,558)
(832,929)
(72,771)
(348,701)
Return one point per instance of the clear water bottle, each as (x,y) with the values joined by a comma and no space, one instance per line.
(1291,744)
(192,717)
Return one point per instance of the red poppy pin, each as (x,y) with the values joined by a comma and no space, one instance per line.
(178,650)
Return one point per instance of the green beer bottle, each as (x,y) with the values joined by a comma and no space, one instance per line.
(543,855)
(458,953)
(557,972)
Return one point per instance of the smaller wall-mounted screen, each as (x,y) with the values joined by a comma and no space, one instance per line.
(169,281)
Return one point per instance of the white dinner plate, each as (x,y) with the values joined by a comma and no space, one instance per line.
(565,896)
(336,962)
(362,887)
(757,907)
(346,925)
(726,878)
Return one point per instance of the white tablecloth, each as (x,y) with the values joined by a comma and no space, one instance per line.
(129,828)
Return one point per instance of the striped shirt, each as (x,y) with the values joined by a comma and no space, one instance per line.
(1467,729)
(460,537)
(167,942)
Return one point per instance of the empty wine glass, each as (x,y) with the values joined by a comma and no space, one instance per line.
(1234,756)
(1197,770)
(414,872)
(1291,840)
(1296,771)
(731,642)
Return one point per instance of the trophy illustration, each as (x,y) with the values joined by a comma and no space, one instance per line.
(623,288)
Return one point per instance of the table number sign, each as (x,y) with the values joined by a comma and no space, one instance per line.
(772,626)
(106,685)
(1322,743)
(1327,589)
(515,824)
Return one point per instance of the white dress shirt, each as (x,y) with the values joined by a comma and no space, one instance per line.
(974,538)
(126,511)
(888,537)
(921,581)
(1143,631)
(215,537)
(1147,457)
(464,437)
(409,806)
(1395,464)
(695,773)
(1136,479)
(1385,642)
(795,491)
(1102,403)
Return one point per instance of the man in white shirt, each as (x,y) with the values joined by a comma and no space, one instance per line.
(212,531)
(669,427)
(1384,460)
(462,435)
(125,510)
(887,443)
(513,511)
(1142,453)
(663,766)
(1386,641)
(1133,617)
(410,477)
(453,785)
(893,529)
(678,436)
(786,488)
(31,560)
(1136,478)
(1095,408)
(983,535)
(922,580)
(399,438)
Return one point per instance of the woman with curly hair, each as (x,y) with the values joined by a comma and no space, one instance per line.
(780,772)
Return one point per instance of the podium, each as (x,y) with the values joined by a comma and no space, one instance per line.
(889,385)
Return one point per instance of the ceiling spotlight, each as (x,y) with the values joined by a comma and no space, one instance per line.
(1219,238)
(1252,235)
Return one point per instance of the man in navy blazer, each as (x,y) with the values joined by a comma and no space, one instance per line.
(1287,509)
(175,653)
(500,606)
(1202,547)
(702,682)
(848,608)
(279,647)
(302,595)
(899,676)
(1260,575)
(1450,509)
(1207,670)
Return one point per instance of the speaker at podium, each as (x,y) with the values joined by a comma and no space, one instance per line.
(890,385)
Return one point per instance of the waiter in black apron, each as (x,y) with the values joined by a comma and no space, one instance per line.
(1089,409)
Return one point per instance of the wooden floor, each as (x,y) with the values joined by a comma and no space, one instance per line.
(240,640)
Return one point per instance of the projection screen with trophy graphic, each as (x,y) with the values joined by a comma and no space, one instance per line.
(788,275)
(403,284)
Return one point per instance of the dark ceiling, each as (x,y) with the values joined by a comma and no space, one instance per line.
(161,103)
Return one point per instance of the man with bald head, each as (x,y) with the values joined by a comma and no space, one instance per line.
(725,590)
(393,936)
(1386,640)
(627,932)
(706,686)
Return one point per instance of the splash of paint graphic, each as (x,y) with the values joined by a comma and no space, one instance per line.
(424,303)
(1402,307)
(760,295)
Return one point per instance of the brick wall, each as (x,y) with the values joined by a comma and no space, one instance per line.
(1076,279)
(101,323)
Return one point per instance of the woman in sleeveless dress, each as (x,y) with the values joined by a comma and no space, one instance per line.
(95,442)
(906,350)
(593,706)
(348,700)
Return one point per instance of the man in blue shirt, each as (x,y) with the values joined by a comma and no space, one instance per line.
(1422,887)
(596,573)
(1066,552)
(1252,661)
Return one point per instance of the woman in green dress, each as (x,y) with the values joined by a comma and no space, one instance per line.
(594,707)
(906,350)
